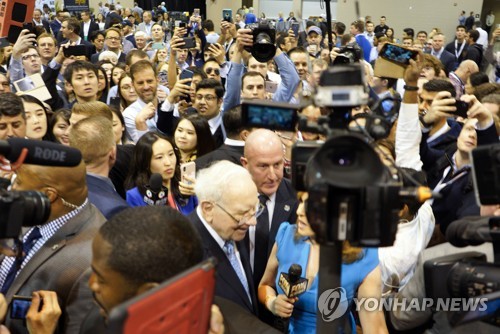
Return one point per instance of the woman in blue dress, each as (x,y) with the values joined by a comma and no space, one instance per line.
(295,244)
(155,153)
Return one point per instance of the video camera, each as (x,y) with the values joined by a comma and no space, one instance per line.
(351,196)
(468,275)
(264,38)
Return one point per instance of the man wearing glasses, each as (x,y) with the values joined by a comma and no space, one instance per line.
(25,60)
(223,219)
(112,42)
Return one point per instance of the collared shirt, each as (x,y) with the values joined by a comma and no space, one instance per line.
(86,27)
(215,122)
(47,231)
(271,203)
(234,142)
(437,54)
(445,128)
(369,36)
(218,238)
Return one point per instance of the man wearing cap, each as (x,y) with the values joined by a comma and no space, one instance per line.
(87,26)
(128,32)
(314,37)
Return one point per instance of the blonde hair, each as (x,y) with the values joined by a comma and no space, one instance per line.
(94,108)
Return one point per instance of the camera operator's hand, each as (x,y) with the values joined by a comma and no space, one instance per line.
(24,41)
(443,106)
(478,111)
(43,320)
(282,306)
(180,89)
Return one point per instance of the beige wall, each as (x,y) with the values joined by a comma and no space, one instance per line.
(214,8)
(419,15)
(124,3)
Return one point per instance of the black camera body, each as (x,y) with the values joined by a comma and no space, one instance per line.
(349,54)
(264,38)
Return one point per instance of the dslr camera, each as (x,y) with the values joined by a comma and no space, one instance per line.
(264,38)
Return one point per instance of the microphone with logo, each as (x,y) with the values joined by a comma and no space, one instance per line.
(156,193)
(292,285)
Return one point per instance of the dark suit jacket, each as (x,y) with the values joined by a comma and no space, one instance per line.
(449,62)
(45,24)
(61,265)
(218,136)
(104,196)
(55,26)
(227,284)
(225,152)
(119,172)
(93,27)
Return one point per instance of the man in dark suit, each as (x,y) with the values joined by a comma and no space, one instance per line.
(232,150)
(208,102)
(223,219)
(70,30)
(112,42)
(438,50)
(39,21)
(264,159)
(88,26)
(94,137)
(58,252)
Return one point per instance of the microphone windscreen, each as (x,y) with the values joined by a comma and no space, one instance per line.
(43,153)
(295,270)
(155,182)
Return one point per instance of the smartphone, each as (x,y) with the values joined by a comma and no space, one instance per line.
(75,50)
(157,46)
(29,26)
(115,102)
(295,28)
(398,54)
(163,78)
(271,86)
(269,115)
(188,169)
(189,43)
(182,24)
(227,15)
(196,12)
(312,49)
(186,74)
(19,307)
(462,108)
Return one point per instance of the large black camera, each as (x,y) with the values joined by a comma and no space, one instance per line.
(264,37)
(21,209)
(349,54)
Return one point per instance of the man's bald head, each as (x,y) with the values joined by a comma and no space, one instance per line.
(466,68)
(65,187)
(263,158)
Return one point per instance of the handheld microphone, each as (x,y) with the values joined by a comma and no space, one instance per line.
(472,231)
(156,193)
(41,153)
(292,284)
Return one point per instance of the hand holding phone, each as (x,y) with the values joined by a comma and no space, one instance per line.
(188,172)
(462,108)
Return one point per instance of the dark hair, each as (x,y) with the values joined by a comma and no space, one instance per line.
(120,66)
(208,24)
(298,49)
(119,114)
(48,113)
(359,25)
(11,105)
(440,85)
(211,84)
(135,53)
(77,66)
(104,94)
(232,121)
(93,36)
(251,74)
(63,114)
(461,26)
(140,171)
(151,244)
(204,141)
(73,24)
(123,102)
(474,35)
(486,89)
(198,72)
(340,28)
(422,32)
(409,31)
(478,78)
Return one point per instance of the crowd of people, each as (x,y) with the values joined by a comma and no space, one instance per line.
(122,88)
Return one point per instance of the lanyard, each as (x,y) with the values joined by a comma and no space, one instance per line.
(441,185)
(461,48)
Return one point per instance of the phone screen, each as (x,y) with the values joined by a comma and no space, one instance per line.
(20,307)
(269,117)
(295,28)
(189,43)
(462,108)
(398,54)
(227,15)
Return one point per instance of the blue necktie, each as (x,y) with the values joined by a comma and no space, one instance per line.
(27,245)
(231,255)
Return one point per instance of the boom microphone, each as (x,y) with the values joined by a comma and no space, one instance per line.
(472,231)
(156,193)
(41,153)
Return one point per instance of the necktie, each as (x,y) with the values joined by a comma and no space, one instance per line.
(27,245)
(231,255)
(261,241)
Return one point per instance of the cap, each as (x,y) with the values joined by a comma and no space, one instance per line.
(314,29)
(127,23)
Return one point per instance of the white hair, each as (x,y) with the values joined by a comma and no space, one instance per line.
(213,180)
(110,55)
(140,34)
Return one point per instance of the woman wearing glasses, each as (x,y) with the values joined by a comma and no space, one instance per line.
(295,244)
(155,153)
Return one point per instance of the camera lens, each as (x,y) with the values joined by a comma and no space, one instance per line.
(343,159)
(263,49)
(37,208)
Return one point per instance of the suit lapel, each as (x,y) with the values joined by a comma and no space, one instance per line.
(284,208)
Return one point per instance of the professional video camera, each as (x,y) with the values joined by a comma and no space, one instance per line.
(468,275)
(349,54)
(264,38)
(20,209)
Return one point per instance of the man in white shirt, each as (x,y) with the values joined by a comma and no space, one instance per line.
(369,31)
(483,35)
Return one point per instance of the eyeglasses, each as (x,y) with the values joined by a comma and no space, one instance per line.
(209,70)
(113,38)
(245,219)
(208,98)
(30,56)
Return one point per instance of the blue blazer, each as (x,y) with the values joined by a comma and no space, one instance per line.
(134,198)
(104,196)
(449,61)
